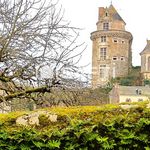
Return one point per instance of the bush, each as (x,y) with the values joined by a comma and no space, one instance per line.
(125,82)
(89,128)
(146,82)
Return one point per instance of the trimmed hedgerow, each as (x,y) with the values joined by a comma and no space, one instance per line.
(94,129)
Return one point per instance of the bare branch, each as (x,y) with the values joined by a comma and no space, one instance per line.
(38,48)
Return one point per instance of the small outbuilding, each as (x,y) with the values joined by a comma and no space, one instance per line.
(121,94)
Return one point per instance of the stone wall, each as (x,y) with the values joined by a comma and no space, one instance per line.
(120,49)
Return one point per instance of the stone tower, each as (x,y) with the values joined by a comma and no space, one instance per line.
(111,50)
(145,61)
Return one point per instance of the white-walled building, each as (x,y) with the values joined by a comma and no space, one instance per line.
(121,94)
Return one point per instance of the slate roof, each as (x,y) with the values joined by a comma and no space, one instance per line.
(114,13)
(131,90)
(146,49)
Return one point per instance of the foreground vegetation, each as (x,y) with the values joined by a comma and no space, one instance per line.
(80,128)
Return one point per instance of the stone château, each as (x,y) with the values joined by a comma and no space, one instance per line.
(111,50)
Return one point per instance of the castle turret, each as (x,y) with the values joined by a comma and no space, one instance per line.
(145,61)
(111,52)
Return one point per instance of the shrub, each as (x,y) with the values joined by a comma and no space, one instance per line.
(88,128)
(125,82)
(146,82)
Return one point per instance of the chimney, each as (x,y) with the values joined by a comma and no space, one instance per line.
(148,41)
(101,12)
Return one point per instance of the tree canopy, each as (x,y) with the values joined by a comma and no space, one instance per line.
(38,48)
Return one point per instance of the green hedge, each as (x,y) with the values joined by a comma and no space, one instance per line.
(102,129)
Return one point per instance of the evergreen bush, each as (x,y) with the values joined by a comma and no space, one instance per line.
(88,128)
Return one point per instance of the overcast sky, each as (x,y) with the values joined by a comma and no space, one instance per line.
(136,14)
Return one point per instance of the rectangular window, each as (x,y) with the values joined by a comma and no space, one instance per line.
(103,38)
(115,58)
(115,40)
(122,58)
(105,26)
(103,52)
(102,71)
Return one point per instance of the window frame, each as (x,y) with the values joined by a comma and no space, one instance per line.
(115,40)
(102,70)
(103,39)
(123,42)
(103,53)
(105,26)
(122,58)
(115,58)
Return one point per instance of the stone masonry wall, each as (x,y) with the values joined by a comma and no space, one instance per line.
(118,44)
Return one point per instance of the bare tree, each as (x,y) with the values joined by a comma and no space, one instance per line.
(38,48)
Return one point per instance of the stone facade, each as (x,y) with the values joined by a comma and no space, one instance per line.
(145,61)
(111,50)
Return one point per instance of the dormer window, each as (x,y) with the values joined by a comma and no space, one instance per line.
(106,26)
